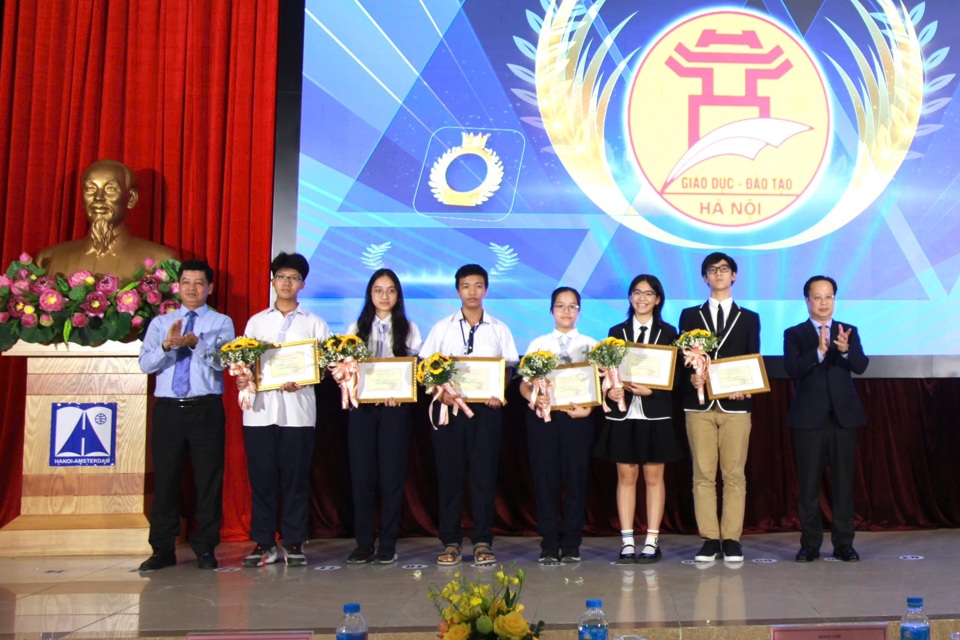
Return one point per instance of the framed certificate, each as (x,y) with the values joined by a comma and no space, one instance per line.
(651,365)
(480,379)
(577,383)
(289,362)
(383,378)
(745,374)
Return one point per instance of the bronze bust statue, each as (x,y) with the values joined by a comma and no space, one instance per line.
(108,190)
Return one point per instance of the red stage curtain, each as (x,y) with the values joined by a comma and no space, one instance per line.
(184,92)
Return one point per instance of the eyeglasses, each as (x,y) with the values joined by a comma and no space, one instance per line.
(721,269)
(282,277)
(822,298)
(646,295)
(566,307)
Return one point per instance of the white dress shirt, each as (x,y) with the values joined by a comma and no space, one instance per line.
(727,310)
(450,336)
(286,409)
(413,337)
(578,348)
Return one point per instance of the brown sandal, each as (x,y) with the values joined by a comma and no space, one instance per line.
(450,556)
(483,555)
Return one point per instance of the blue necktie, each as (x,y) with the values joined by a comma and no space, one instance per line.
(382,340)
(181,372)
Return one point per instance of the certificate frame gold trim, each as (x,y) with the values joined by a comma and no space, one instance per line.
(410,395)
(555,405)
(759,383)
(670,371)
(309,375)
(497,364)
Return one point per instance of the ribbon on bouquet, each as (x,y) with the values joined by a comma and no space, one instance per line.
(611,380)
(345,374)
(541,387)
(697,358)
(444,417)
(247,392)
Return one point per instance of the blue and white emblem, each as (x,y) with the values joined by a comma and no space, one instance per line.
(83,434)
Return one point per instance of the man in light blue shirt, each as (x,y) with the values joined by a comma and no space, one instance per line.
(180,349)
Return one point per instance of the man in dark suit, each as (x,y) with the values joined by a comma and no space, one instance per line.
(719,431)
(820,354)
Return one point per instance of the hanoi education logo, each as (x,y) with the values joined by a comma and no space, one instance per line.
(83,434)
(728,118)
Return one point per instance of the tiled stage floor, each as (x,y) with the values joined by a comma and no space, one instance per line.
(86,597)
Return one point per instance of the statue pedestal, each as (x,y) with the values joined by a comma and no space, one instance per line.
(82,510)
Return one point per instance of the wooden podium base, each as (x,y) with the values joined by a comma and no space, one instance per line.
(82,510)
(76,535)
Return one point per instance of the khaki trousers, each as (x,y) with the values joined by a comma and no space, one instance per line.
(719,439)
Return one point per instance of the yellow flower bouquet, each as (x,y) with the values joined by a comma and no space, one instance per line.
(240,357)
(534,368)
(435,373)
(341,356)
(607,355)
(479,611)
(696,346)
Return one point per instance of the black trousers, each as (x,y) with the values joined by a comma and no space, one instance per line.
(468,449)
(377,438)
(814,447)
(278,463)
(559,453)
(197,429)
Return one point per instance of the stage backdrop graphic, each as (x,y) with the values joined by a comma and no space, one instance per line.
(581,143)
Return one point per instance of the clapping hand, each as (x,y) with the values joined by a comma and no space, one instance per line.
(843,339)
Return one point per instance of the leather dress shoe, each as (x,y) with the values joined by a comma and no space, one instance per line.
(847,553)
(207,561)
(807,554)
(158,561)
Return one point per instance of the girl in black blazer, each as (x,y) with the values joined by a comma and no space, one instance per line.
(643,434)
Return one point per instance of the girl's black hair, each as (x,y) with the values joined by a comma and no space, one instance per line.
(401,326)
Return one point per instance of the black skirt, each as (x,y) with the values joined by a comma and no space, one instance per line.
(638,441)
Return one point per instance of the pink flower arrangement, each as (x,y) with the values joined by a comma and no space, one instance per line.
(51,300)
(82,308)
(80,278)
(128,302)
(148,263)
(108,284)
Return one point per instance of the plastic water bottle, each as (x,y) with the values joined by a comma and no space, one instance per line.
(352,626)
(914,625)
(593,622)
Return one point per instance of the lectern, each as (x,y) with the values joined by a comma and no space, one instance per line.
(84,453)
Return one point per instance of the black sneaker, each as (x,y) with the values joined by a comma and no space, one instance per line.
(207,561)
(262,555)
(361,555)
(547,556)
(158,561)
(732,551)
(710,551)
(570,555)
(295,555)
(385,555)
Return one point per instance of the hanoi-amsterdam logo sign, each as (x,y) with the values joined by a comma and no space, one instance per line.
(728,118)
(83,434)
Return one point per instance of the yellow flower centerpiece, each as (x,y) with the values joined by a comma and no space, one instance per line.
(435,373)
(479,611)
(341,356)
(534,368)
(607,355)
(696,346)
(240,357)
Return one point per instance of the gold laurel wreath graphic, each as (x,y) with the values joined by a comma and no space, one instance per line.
(472,144)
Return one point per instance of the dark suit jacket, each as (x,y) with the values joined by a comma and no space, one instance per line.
(660,404)
(822,386)
(742,337)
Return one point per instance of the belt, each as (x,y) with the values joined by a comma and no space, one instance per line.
(188,402)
